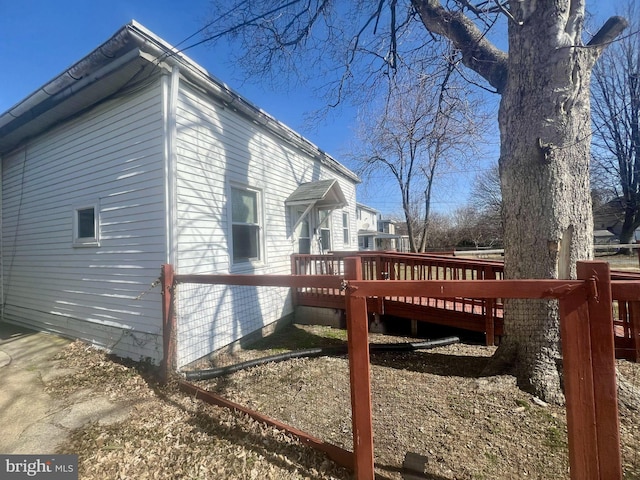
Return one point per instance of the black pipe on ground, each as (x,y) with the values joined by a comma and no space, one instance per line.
(197,375)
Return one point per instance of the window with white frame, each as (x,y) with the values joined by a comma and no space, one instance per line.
(324,223)
(86,226)
(245,229)
(345,228)
(303,231)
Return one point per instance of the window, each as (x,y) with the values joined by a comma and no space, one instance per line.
(303,232)
(345,229)
(324,222)
(85,226)
(245,220)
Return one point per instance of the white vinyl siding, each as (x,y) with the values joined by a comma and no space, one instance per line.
(111,159)
(218,148)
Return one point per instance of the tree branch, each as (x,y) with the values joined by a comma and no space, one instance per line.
(478,53)
(609,31)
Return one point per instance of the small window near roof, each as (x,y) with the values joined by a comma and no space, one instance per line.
(85,226)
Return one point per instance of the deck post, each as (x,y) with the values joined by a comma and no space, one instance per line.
(634,329)
(168,323)
(294,271)
(489,307)
(360,375)
(489,322)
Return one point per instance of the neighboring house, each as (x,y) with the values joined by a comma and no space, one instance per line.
(607,222)
(136,157)
(375,233)
(367,221)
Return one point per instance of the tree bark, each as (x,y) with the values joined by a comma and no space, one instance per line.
(544,170)
(545,133)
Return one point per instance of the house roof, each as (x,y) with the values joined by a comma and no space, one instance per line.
(130,57)
(323,193)
(362,206)
(376,234)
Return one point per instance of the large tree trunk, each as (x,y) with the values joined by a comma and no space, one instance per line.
(544,169)
(545,137)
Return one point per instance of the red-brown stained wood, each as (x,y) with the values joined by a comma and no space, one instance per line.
(626,289)
(490,331)
(339,455)
(578,385)
(300,281)
(360,376)
(466,288)
(634,320)
(168,323)
(604,373)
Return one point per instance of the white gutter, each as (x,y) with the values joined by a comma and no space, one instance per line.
(83,71)
(128,44)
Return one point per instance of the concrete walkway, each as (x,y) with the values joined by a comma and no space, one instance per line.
(34,422)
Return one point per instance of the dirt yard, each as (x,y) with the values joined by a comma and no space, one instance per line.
(434,403)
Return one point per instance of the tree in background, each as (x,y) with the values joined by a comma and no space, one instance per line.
(616,118)
(474,228)
(485,194)
(544,118)
(415,132)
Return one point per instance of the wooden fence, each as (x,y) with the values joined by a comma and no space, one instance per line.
(587,346)
(586,307)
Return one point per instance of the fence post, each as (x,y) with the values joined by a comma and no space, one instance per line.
(168,323)
(578,385)
(360,375)
(588,353)
(604,369)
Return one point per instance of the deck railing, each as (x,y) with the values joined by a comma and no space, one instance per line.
(475,314)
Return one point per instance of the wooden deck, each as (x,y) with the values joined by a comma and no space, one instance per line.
(477,315)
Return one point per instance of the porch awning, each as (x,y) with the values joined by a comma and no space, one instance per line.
(325,194)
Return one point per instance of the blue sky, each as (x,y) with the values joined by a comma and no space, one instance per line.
(41,38)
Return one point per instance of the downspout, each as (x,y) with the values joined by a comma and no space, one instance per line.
(171,86)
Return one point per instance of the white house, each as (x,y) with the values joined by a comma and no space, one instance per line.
(135,157)
(367,222)
(375,233)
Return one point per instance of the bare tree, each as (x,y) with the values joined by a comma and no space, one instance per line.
(616,119)
(544,118)
(412,135)
(486,194)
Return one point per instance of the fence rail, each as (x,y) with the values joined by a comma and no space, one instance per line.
(586,307)
(587,345)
